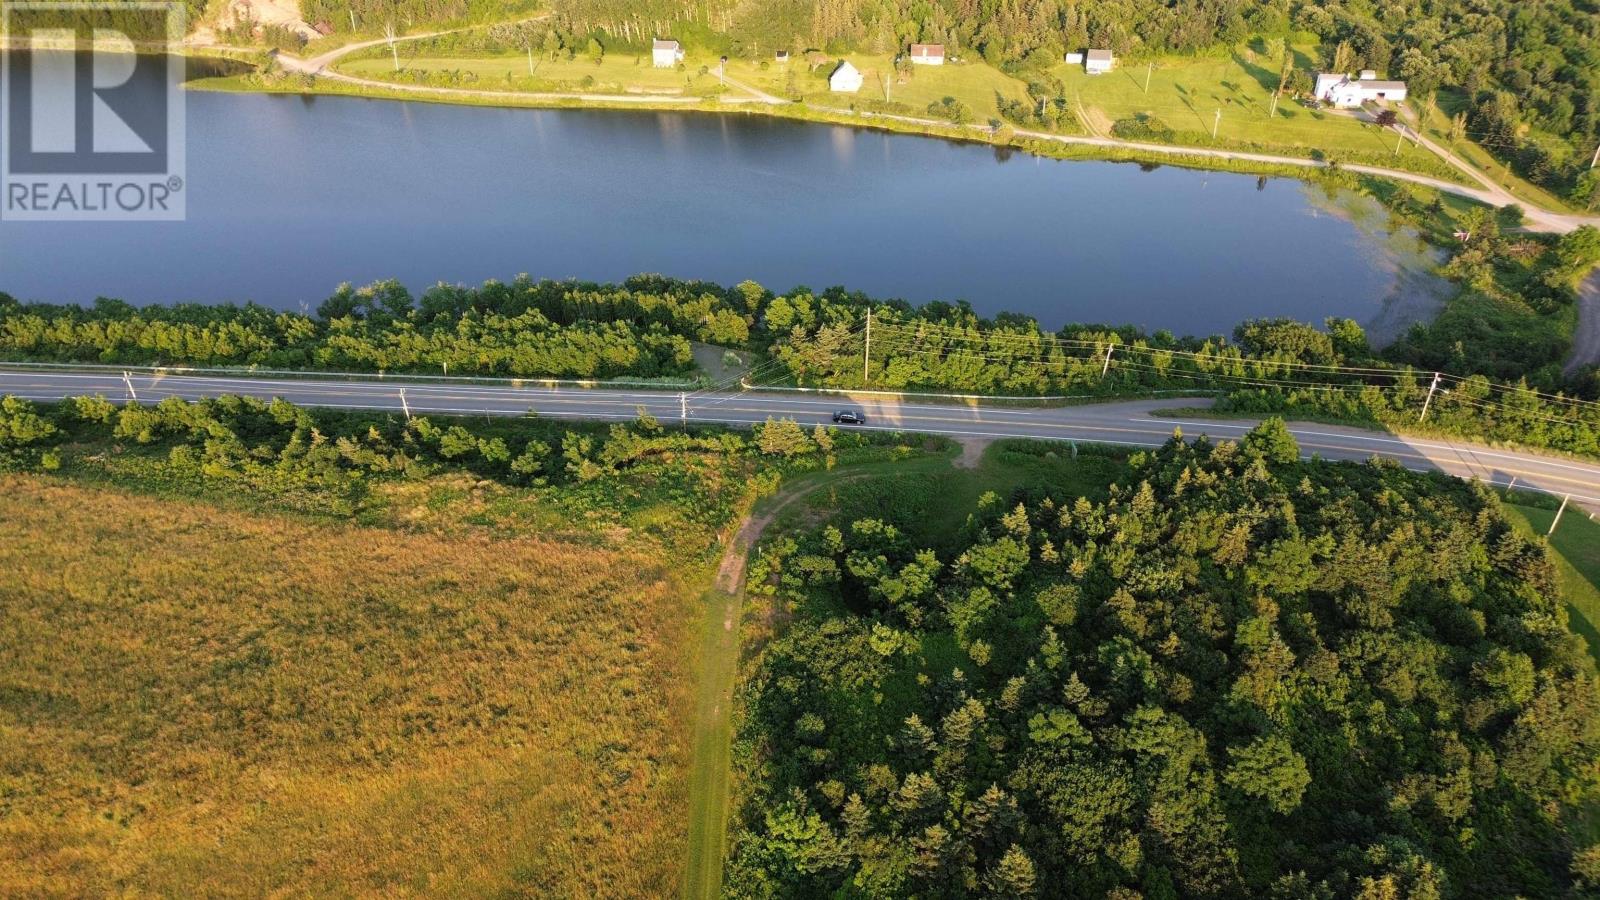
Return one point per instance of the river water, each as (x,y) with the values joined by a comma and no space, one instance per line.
(289,196)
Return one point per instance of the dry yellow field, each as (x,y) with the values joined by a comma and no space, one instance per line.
(205,702)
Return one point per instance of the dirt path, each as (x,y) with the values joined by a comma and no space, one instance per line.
(719,654)
(1586,340)
(972,450)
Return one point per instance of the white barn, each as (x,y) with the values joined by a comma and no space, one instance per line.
(927,54)
(846,79)
(665,54)
(1096,62)
(1345,92)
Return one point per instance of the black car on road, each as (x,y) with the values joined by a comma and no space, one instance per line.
(848,417)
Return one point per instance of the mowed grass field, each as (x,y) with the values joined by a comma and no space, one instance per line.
(1186,93)
(615,74)
(199,701)
(976,85)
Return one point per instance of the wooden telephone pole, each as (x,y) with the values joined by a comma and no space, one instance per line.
(866,357)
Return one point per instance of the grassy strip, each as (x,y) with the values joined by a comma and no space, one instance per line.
(1576,546)
(712,761)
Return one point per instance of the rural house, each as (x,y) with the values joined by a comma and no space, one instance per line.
(781,57)
(927,54)
(1096,62)
(665,54)
(846,79)
(1345,92)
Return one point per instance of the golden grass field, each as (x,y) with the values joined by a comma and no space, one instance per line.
(199,701)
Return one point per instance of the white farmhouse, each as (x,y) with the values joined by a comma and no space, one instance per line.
(846,79)
(927,54)
(1345,92)
(1096,62)
(665,54)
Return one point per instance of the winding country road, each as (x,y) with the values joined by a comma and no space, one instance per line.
(1126,423)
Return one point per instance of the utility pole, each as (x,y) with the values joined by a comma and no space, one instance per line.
(1399,140)
(1274,110)
(530,58)
(1596,160)
(1431,388)
(866,357)
(1106,366)
(1214,123)
(352,19)
(1557,520)
(1148,70)
(404,405)
(129,382)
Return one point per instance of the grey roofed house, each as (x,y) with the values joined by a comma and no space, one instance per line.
(1096,61)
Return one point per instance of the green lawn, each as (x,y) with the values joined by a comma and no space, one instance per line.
(1186,93)
(974,84)
(1577,556)
(615,74)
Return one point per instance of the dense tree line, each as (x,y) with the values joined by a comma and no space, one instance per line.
(520,328)
(1506,327)
(1235,675)
(329,458)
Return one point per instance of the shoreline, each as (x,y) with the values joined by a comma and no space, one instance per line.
(1042,144)
(317,78)
(1046,146)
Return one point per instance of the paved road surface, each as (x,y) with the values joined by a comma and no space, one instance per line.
(1128,423)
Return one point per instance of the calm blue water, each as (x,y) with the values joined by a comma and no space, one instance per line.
(289,196)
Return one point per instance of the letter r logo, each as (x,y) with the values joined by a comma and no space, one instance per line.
(89,104)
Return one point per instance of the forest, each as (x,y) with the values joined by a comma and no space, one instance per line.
(1230,674)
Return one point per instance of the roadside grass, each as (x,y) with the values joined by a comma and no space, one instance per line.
(198,700)
(930,500)
(1576,552)
(1186,92)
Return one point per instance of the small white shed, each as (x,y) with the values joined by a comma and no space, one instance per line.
(665,54)
(846,79)
(1096,62)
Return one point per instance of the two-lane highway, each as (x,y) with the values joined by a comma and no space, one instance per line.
(1129,423)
